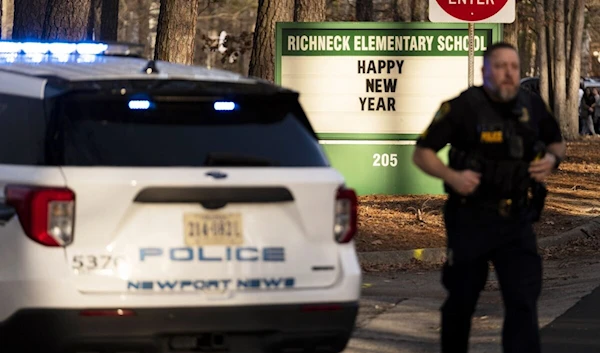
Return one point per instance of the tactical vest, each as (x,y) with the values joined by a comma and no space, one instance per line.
(505,143)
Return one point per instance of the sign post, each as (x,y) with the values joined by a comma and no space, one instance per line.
(471,53)
(471,12)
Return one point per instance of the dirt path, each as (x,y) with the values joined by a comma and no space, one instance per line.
(415,221)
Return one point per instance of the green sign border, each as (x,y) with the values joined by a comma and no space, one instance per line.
(348,152)
(496,36)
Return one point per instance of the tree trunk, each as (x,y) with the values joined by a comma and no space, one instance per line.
(131,23)
(176,32)
(28,20)
(364,10)
(310,11)
(550,43)
(144,28)
(269,12)
(91,23)
(571,115)
(511,31)
(419,12)
(586,63)
(568,36)
(66,20)
(402,10)
(3,19)
(532,57)
(109,22)
(8,11)
(560,69)
(542,52)
(526,51)
(93,20)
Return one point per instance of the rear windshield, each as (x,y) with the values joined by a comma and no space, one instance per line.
(249,131)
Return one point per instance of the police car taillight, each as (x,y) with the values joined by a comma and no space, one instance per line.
(47,215)
(346,205)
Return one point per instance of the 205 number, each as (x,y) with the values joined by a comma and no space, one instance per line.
(385,160)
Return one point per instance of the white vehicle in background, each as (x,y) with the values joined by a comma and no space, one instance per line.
(153,207)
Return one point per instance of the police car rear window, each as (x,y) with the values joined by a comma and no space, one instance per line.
(249,131)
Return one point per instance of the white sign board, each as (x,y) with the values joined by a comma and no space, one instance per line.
(370,89)
(379,79)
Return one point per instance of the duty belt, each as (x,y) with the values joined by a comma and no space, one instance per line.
(506,207)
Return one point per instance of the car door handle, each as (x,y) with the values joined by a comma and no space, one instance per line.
(6,213)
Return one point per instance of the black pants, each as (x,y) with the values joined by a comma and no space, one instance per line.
(475,237)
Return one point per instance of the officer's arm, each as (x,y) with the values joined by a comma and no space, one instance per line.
(428,161)
(555,146)
(558,149)
(441,131)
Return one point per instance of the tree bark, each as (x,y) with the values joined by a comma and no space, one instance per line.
(511,31)
(586,62)
(28,20)
(402,10)
(419,12)
(109,22)
(526,51)
(571,115)
(94,20)
(176,32)
(91,23)
(568,35)
(131,23)
(66,20)
(364,10)
(144,27)
(550,43)
(560,69)
(542,51)
(8,11)
(269,12)
(1,13)
(310,11)
(518,34)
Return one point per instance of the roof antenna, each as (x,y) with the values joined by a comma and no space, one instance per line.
(151,68)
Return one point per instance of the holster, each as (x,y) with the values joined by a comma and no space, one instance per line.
(537,201)
(538,191)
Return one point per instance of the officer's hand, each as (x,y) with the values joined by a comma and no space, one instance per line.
(541,168)
(465,182)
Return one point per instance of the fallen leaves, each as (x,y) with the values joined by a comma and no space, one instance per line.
(402,222)
(586,245)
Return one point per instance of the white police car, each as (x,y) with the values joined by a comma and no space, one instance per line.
(154,207)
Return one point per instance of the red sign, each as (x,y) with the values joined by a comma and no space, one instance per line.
(472,10)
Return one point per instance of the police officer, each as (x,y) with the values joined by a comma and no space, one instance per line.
(504,142)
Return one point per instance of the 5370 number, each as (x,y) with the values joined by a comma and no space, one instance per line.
(95,262)
(385,160)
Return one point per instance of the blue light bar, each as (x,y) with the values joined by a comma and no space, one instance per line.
(52,48)
(224,106)
(139,104)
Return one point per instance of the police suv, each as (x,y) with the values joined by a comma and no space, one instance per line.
(154,207)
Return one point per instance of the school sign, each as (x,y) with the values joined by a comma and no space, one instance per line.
(370,89)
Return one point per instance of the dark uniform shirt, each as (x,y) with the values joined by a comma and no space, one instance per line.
(482,229)
(456,124)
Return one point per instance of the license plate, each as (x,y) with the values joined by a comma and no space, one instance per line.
(213,229)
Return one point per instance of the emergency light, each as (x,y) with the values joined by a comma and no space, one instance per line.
(139,104)
(52,48)
(224,106)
